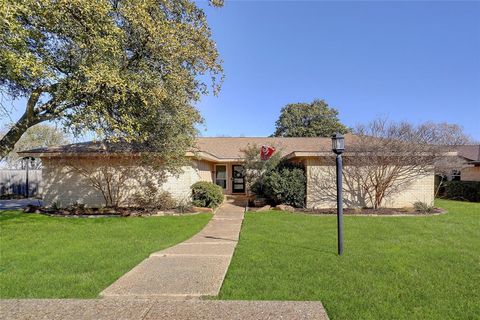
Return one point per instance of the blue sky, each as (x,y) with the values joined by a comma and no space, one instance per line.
(414,61)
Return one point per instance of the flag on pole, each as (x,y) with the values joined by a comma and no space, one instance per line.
(266,152)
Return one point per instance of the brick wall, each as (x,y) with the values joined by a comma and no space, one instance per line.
(66,186)
(321,189)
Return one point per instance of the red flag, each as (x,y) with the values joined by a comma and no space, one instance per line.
(266,152)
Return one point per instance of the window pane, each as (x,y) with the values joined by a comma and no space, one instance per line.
(221,172)
(222,183)
(221,176)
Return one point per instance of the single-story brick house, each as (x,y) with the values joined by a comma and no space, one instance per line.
(215,159)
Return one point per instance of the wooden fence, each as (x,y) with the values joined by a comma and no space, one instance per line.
(13,181)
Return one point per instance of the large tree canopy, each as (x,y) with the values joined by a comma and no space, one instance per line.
(124,69)
(314,119)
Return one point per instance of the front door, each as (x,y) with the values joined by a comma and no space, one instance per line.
(238,179)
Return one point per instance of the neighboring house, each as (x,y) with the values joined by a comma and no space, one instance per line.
(216,159)
(462,163)
(471,170)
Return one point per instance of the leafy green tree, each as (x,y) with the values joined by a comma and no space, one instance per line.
(314,119)
(38,136)
(126,70)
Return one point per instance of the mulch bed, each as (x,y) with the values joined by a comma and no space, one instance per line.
(104,212)
(352,212)
(373,212)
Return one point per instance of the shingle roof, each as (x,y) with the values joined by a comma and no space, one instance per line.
(470,152)
(228,148)
(87,147)
(219,147)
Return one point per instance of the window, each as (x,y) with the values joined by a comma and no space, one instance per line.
(456,175)
(221,176)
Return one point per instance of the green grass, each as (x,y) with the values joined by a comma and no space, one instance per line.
(49,257)
(424,267)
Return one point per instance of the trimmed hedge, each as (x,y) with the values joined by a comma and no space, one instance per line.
(206,194)
(462,190)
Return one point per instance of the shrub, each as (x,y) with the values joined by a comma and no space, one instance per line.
(153,198)
(423,207)
(206,194)
(56,205)
(285,186)
(184,205)
(462,190)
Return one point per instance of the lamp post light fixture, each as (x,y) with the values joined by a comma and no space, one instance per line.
(338,146)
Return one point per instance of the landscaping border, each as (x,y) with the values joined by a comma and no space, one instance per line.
(308,213)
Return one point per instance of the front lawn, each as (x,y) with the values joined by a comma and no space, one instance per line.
(424,267)
(48,257)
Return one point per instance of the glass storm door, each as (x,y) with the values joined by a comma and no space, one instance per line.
(238,180)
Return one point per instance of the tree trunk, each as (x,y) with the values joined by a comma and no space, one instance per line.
(439,186)
(15,133)
(28,119)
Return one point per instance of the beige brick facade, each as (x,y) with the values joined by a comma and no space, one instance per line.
(321,190)
(64,184)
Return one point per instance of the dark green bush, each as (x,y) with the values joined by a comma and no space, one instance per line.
(286,185)
(206,194)
(462,190)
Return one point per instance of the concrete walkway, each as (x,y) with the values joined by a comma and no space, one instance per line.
(192,269)
(116,309)
(169,285)
(16,204)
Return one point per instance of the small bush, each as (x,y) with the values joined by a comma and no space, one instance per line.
(153,198)
(206,194)
(184,205)
(56,205)
(286,186)
(423,207)
(462,190)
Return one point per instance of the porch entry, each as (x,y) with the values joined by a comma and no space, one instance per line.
(230,178)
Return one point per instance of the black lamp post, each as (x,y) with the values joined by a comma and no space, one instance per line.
(338,146)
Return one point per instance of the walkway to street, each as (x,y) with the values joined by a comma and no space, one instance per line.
(192,269)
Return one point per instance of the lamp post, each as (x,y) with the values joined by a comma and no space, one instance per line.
(338,146)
